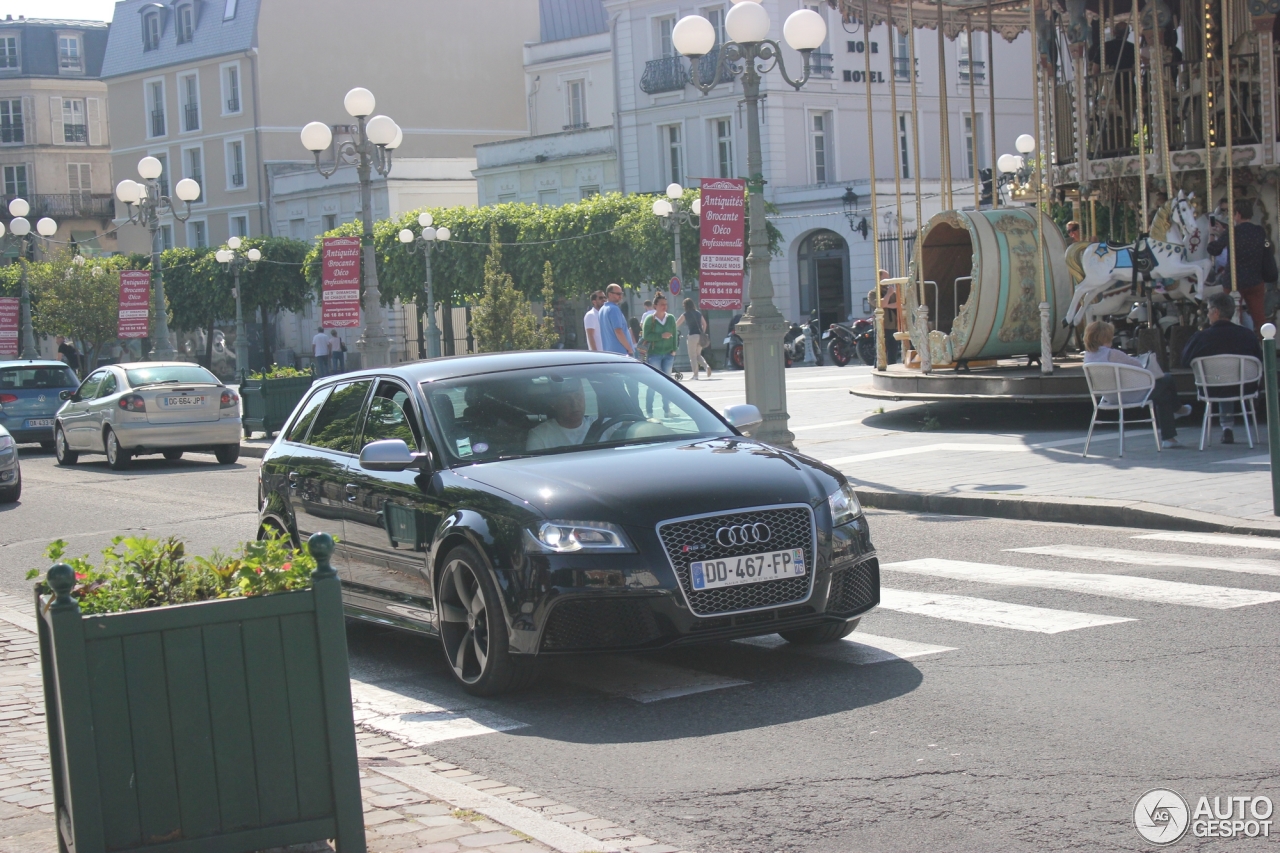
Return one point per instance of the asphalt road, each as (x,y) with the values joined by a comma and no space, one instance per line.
(957,718)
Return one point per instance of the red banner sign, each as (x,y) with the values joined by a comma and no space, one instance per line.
(10,314)
(135,303)
(340,283)
(723,227)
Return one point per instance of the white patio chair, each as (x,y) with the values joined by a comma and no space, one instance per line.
(1230,376)
(1116,387)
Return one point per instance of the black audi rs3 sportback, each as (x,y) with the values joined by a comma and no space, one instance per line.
(518,505)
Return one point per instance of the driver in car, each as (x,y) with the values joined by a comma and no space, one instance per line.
(569,422)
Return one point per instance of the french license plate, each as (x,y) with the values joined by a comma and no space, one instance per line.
(182,401)
(732,571)
(40,422)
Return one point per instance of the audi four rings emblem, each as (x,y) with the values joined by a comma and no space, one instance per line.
(744,534)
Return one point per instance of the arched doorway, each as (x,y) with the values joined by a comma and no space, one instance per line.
(824,276)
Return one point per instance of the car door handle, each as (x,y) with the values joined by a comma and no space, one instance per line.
(293,479)
(351,492)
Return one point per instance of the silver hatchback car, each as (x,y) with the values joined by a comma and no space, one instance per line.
(125,410)
(10,468)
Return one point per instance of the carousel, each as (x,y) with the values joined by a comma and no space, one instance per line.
(1149,118)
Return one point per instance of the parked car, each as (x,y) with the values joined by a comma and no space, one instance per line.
(29,398)
(518,505)
(10,468)
(128,410)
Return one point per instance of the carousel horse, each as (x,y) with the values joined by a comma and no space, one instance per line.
(1107,270)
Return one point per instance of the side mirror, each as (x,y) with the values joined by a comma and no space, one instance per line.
(64,396)
(743,416)
(390,454)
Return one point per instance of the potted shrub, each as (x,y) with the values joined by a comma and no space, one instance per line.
(270,397)
(199,704)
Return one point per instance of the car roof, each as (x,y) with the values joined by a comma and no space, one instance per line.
(32,362)
(134,365)
(455,366)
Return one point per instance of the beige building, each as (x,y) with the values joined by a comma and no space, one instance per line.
(55,145)
(219,90)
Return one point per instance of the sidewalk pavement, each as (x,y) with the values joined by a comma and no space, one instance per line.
(413,803)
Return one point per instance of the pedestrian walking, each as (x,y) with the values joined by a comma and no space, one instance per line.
(591,321)
(337,353)
(1255,260)
(615,335)
(661,336)
(1223,337)
(320,351)
(697,337)
(67,352)
(1098,336)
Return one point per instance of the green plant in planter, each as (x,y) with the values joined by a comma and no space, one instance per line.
(277,371)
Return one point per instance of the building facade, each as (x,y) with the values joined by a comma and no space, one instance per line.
(55,140)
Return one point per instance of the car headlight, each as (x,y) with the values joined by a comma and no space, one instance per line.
(573,537)
(6,443)
(844,505)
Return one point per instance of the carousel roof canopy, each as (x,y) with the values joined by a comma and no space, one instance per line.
(1008,17)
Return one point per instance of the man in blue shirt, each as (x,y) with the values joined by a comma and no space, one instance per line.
(614,334)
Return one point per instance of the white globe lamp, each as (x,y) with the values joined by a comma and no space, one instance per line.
(693,35)
(805,30)
(661,207)
(1008,163)
(395,143)
(675,191)
(150,168)
(254,255)
(747,22)
(20,226)
(1026,143)
(424,219)
(19,207)
(233,243)
(223,256)
(187,190)
(696,207)
(381,130)
(428,233)
(443,233)
(405,235)
(46,227)
(359,102)
(128,191)
(316,136)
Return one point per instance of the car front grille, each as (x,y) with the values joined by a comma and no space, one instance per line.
(590,624)
(690,540)
(854,589)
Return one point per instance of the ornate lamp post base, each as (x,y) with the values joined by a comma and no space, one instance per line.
(764,363)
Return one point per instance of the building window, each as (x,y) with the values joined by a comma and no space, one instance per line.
(724,147)
(69,58)
(549,197)
(229,11)
(330,221)
(673,141)
(235,165)
(901,56)
(151,31)
(716,17)
(904,144)
(238,225)
(163,181)
(971,64)
(80,181)
(230,89)
(189,89)
(155,108)
(9,53)
(197,234)
(821,126)
(588,192)
(194,168)
(166,237)
(972,139)
(186,23)
(11,129)
(665,26)
(15,181)
(576,105)
(73,127)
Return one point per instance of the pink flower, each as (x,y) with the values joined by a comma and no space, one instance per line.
(81,576)
(286,567)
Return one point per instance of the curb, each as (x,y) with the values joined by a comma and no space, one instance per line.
(254,450)
(1101,511)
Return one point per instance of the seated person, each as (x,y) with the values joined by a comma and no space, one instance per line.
(1098,336)
(1223,337)
(569,422)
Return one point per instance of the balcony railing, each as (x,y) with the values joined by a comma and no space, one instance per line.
(69,205)
(902,67)
(157,122)
(191,117)
(582,125)
(822,64)
(977,67)
(237,179)
(233,104)
(708,66)
(75,133)
(664,75)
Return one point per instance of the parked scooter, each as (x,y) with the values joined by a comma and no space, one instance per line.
(838,340)
(793,343)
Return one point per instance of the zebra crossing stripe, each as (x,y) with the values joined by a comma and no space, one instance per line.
(404,711)
(1262,542)
(638,679)
(996,614)
(1153,558)
(1111,586)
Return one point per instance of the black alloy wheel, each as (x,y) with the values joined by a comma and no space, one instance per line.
(62,451)
(117,457)
(473,629)
(10,494)
(838,352)
(828,633)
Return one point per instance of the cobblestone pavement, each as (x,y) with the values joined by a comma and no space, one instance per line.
(413,803)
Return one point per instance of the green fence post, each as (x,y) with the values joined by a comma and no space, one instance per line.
(1273,411)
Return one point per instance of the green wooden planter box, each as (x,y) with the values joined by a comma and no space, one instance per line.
(269,402)
(219,727)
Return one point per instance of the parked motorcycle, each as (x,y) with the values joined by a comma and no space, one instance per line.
(793,343)
(839,342)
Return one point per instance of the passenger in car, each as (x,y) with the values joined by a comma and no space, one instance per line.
(569,422)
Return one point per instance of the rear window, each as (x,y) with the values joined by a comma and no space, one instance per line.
(26,378)
(181,374)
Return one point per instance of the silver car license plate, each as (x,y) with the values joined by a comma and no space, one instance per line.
(732,571)
(182,401)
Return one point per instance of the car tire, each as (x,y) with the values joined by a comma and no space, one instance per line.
(227,453)
(473,629)
(117,457)
(48,446)
(12,493)
(62,451)
(827,633)
(736,357)
(173,455)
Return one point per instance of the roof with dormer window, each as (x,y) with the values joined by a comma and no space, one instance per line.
(215,34)
(568,19)
(38,44)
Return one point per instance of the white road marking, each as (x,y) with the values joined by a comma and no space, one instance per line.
(1229,539)
(997,614)
(640,679)
(1113,586)
(1152,558)
(857,648)
(974,447)
(823,426)
(419,717)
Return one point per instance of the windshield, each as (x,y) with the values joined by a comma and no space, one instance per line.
(563,409)
(180,374)
(22,378)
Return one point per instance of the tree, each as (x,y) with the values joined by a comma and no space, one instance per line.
(78,300)
(549,327)
(503,319)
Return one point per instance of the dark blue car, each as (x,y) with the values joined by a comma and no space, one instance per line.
(29,398)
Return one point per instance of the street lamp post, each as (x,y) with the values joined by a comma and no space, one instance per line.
(368,149)
(427,242)
(673,215)
(237,261)
(750,53)
(20,227)
(151,205)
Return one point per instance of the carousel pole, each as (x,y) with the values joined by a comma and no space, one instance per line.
(991,105)
(922,310)
(1136,28)
(1206,105)
(1046,331)
(973,120)
(944,118)
(882,351)
(1229,133)
(897,151)
(1157,50)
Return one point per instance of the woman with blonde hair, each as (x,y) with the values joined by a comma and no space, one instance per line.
(1098,336)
